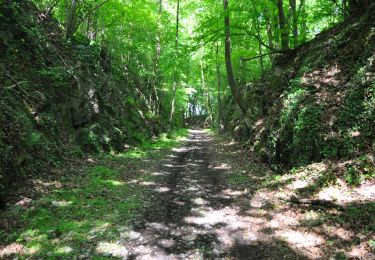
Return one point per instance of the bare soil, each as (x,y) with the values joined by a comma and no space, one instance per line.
(208,199)
(194,213)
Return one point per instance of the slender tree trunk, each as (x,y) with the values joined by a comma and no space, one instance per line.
(157,65)
(70,24)
(293,21)
(205,87)
(269,33)
(228,62)
(175,73)
(88,26)
(260,47)
(345,8)
(219,105)
(92,27)
(303,15)
(177,23)
(284,30)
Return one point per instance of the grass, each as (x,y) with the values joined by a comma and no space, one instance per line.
(91,209)
(239,179)
(74,219)
(152,147)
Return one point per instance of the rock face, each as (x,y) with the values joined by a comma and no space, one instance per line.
(54,93)
(318,101)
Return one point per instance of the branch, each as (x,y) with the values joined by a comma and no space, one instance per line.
(322,203)
(16,83)
(90,12)
(266,54)
(256,37)
(344,12)
(255,57)
(218,34)
(300,7)
(51,8)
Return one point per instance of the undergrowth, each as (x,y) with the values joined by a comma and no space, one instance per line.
(89,209)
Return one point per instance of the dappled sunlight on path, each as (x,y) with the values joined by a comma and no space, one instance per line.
(206,199)
(194,214)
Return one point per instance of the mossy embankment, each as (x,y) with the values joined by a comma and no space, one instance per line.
(60,97)
(317,102)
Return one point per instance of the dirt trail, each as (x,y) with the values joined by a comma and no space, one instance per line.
(207,199)
(193,214)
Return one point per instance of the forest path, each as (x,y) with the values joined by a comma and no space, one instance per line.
(206,199)
(194,213)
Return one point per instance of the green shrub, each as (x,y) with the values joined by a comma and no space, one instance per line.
(352,176)
(307,139)
(326,179)
(59,76)
(33,138)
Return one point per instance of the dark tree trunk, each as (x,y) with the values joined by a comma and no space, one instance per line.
(356,7)
(284,30)
(71,18)
(219,105)
(302,14)
(260,47)
(228,63)
(294,21)
(175,73)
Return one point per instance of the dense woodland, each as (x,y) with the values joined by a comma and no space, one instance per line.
(292,81)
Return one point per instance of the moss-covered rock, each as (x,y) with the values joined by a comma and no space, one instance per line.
(58,93)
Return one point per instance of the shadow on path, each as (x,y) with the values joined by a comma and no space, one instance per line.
(193,214)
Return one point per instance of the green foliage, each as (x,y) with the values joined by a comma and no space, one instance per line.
(55,75)
(33,139)
(372,244)
(102,74)
(352,176)
(164,141)
(361,213)
(239,180)
(326,179)
(78,215)
(363,168)
(307,139)
(298,137)
(92,206)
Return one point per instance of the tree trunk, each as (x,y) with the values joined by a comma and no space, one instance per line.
(303,14)
(205,87)
(356,7)
(294,21)
(269,33)
(260,47)
(228,62)
(284,30)
(219,105)
(175,73)
(157,65)
(92,27)
(70,24)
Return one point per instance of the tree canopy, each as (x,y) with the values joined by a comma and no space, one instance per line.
(176,48)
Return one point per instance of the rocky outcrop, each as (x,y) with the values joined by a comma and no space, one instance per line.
(57,93)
